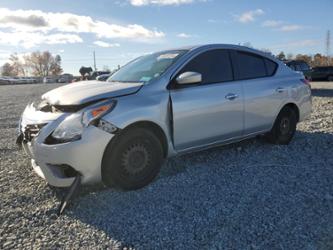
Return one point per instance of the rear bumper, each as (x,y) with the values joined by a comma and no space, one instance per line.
(305,107)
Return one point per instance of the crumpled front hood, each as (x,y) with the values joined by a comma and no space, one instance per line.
(88,91)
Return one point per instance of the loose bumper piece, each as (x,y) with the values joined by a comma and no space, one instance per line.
(73,190)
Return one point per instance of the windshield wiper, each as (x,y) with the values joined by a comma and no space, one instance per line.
(127,81)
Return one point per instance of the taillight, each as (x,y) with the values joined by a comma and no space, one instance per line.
(305,81)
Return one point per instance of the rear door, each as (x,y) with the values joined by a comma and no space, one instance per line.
(212,110)
(263,93)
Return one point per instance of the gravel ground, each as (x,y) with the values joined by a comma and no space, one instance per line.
(250,195)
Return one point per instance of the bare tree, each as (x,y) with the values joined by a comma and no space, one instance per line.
(55,68)
(15,67)
(281,56)
(7,70)
(17,64)
(290,56)
(43,63)
(319,60)
(305,58)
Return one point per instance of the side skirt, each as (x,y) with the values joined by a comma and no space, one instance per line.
(220,143)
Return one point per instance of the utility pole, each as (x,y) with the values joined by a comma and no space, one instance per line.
(328,45)
(95,61)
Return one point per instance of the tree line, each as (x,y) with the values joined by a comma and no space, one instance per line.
(43,64)
(34,64)
(316,60)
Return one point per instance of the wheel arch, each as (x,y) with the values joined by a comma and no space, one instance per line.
(146,125)
(294,107)
(151,126)
(291,105)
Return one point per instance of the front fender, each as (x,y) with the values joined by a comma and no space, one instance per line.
(138,108)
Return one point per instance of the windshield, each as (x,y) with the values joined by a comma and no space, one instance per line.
(146,68)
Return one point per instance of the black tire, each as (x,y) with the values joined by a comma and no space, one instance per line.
(132,160)
(284,127)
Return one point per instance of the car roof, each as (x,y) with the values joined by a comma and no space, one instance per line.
(225,46)
(190,47)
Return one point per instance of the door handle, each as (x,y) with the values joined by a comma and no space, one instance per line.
(280,89)
(231,96)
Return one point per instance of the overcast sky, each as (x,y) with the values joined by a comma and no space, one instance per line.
(120,30)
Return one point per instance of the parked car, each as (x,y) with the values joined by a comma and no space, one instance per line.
(66,78)
(31,80)
(95,74)
(103,78)
(18,80)
(157,106)
(50,79)
(28,80)
(322,73)
(10,79)
(301,66)
(4,80)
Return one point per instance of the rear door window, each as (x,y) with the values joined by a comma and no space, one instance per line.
(250,66)
(214,66)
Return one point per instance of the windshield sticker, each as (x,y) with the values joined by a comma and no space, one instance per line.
(145,79)
(168,56)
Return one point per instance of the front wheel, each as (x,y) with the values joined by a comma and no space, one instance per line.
(284,127)
(132,160)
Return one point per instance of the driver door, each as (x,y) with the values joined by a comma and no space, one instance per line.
(212,110)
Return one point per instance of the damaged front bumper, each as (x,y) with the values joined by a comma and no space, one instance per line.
(60,163)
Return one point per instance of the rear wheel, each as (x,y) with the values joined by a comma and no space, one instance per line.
(284,127)
(132,160)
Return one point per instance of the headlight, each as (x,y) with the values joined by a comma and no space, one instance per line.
(69,129)
(72,127)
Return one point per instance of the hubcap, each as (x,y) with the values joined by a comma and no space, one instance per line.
(285,126)
(135,159)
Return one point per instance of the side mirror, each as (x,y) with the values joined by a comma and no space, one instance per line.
(189,77)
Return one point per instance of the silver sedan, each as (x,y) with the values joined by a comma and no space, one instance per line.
(157,106)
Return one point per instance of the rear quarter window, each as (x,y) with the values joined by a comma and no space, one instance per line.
(271,67)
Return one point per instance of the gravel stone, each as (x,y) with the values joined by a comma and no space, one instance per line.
(249,195)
